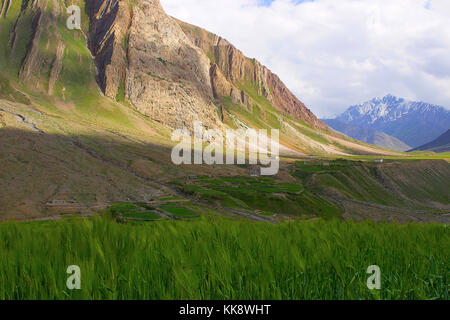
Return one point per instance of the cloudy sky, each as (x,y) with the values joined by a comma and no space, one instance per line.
(335,53)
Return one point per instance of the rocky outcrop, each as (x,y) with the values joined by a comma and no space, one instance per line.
(109,24)
(170,71)
(4,7)
(56,66)
(237,69)
(221,87)
(37,27)
(31,61)
(141,51)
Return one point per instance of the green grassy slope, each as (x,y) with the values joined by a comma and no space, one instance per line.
(262,194)
(401,191)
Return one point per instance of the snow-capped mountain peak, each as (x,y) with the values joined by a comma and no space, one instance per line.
(412,122)
(386,109)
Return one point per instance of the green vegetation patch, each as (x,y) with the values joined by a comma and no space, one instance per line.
(311,133)
(397,184)
(218,259)
(179,211)
(211,56)
(8,92)
(138,211)
(123,207)
(262,194)
(164,62)
(262,114)
(417,155)
(142,215)
(174,198)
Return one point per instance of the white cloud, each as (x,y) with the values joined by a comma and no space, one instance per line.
(334,53)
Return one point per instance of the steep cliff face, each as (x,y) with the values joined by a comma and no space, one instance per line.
(38,51)
(109,24)
(137,55)
(33,41)
(172,72)
(144,57)
(237,69)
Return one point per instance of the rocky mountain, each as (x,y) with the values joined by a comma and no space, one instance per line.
(162,70)
(368,135)
(414,123)
(144,58)
(440,145)
(231,71)
(86,116)
(167,70)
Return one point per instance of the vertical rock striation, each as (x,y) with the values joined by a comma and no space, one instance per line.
(168,70)
(237,69)
(143,54)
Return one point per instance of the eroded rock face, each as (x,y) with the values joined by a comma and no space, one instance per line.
(172,72)
(41,64)
(237,68)
(142,53)
(109,24)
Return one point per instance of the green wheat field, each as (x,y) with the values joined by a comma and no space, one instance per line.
(218,258)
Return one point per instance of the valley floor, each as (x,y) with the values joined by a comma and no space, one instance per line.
(56,161)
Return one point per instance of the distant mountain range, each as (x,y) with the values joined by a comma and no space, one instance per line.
(441,144)
(368,135)
(393,122)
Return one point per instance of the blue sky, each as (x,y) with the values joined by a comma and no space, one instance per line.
(337,53)
(266,2)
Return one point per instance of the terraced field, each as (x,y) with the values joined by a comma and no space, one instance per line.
(260,194)
(413,190)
